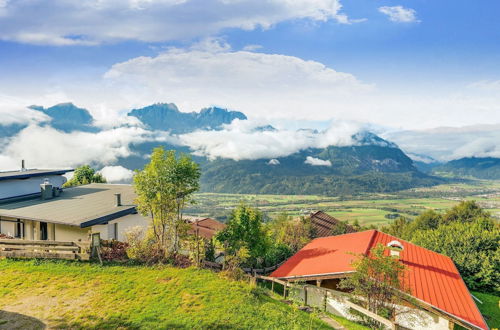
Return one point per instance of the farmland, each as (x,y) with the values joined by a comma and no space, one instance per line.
(367,209)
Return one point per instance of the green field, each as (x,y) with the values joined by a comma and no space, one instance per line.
(75,295)
(376,209)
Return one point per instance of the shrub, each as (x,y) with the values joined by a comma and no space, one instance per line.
(113,250)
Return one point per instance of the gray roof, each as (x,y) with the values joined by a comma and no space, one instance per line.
(9,175)
(80,206)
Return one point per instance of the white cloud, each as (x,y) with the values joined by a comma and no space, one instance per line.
(447,143)
(240,140)
(95,21)
(399,14)
(251,48)
(273,161)
(117,174)
(46,147)
(317,162)
(11,113)
(256,83)
(486,85)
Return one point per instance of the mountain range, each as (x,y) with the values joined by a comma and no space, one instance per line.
(370,164)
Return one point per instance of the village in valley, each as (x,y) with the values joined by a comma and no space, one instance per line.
(321,271)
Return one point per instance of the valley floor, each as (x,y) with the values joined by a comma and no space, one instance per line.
(367,209)
(35,294)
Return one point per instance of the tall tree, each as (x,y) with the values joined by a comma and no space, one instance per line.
(85,175)
(164,187)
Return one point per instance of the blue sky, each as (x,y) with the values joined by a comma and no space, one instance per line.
(445,49)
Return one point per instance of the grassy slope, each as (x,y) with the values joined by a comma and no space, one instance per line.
(490,308)
(82,295)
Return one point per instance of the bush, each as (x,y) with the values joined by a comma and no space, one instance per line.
(114,250)
(143,247)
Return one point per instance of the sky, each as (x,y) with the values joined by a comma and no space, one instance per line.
(395,65)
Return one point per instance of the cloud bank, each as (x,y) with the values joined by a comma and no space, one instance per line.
(241,140)
(447,143)
(92,22)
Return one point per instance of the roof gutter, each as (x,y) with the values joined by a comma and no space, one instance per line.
(315,275)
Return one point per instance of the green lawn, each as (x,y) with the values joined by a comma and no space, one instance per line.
(82,295)
(490,308)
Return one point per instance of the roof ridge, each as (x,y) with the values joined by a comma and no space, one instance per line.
(370,242)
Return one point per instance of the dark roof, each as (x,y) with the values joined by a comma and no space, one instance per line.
(9,175)
(207,227)
(431,277)
(81,206)
(323,224)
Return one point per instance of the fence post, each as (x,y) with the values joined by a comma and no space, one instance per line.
(305,295)
(325,300)
(272,286)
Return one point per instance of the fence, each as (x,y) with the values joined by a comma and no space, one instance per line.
(251,271)
(331,301)
(15,248)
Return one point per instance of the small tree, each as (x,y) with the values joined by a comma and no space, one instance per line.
(85,175)
(164,187)
(378,278)
(245,230)
(294,233)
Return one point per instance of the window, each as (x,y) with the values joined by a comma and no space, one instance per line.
(18,229)
(43,231)
(113,231)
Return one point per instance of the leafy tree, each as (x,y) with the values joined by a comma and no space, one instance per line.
(465,211)
(430,219)
(342,227)
(293,233)
(164,187)
(399,228)
(85,175)
(473,246)
(245,230)
(378,279)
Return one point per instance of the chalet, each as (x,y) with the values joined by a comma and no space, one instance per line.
(432,278)
(34,206)
(204,227)
(323,224)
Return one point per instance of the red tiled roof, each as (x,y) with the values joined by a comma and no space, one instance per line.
(324,223)
(206,227)
(431,277)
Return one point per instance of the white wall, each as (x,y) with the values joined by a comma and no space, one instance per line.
(16,187)
(124,224)
(71,233)
(407,317)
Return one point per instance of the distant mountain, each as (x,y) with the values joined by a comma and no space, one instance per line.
(356,169)
(487,168)
(67,117)
(167,117)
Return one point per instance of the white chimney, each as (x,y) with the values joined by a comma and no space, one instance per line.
(395,248)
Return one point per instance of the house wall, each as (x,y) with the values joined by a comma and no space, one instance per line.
(17,187)
(410,318)
(124,224)
(70,233)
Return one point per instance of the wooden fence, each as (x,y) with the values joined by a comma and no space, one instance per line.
(323,298)
(252,271)
(16,248)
